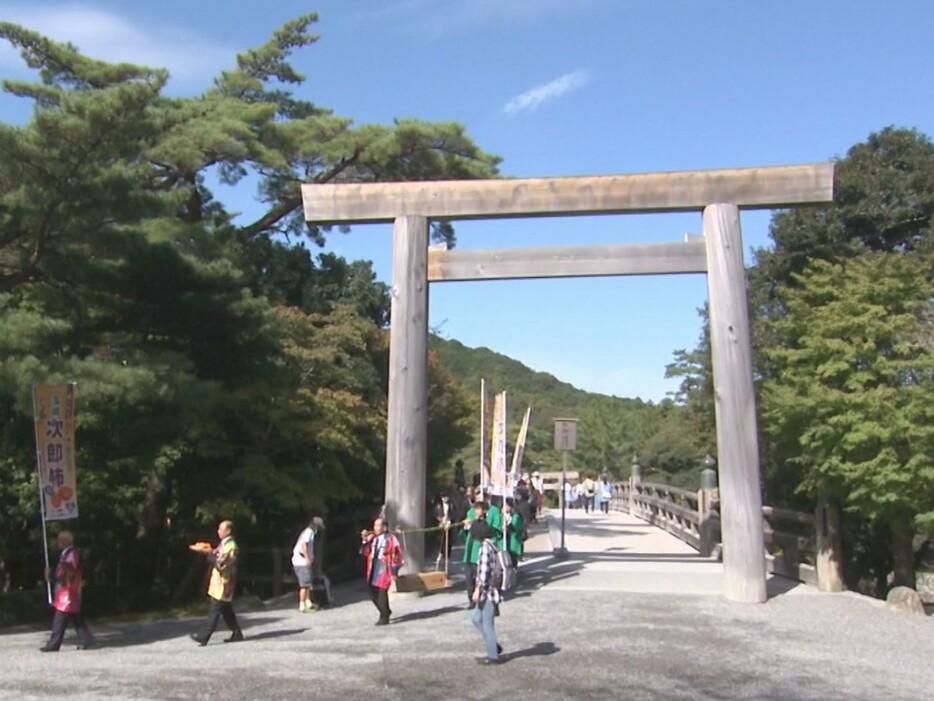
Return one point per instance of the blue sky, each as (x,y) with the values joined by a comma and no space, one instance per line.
(561,88)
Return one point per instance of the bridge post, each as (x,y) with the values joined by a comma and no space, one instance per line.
(829,548)
(407,425)
(706,496)
(635,480)
(737,442)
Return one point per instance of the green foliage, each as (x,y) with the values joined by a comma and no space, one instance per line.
(856,387)
(610,429)
(852,402)
(221,368)
(695,393)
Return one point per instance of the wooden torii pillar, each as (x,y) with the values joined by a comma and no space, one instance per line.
(719,194)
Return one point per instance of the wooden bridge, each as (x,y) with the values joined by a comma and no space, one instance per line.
(798,545)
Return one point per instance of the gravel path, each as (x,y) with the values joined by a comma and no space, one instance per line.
(582,628)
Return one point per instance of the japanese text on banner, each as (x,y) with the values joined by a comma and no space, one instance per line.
(54,407)
(498,453)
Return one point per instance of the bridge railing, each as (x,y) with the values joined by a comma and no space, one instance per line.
(670,508)
(799,545)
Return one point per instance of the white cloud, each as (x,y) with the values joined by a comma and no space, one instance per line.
(434,19)
(190,58)
(531,100)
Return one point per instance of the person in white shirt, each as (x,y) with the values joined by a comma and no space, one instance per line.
(302,557)
(538,484)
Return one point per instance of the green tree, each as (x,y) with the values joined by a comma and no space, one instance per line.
(221,369)
(695,393)
(853,396)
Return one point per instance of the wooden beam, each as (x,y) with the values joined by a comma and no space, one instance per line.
(735,408)
(751,188)
(572,261)
(407,425)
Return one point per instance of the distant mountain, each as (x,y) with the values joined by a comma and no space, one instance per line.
(610,429)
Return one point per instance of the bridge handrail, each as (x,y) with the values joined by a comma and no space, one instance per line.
(805,546)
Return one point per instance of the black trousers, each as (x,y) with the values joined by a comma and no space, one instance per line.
(60,623)
(220,609)
(470,578)
(380,599)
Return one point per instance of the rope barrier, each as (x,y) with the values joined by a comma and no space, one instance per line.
(428,529)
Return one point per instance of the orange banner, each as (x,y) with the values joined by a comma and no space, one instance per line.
(54,413)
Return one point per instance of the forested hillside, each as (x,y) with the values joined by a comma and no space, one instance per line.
(611,430)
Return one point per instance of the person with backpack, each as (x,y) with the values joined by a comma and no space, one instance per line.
(493,517)
(486,592)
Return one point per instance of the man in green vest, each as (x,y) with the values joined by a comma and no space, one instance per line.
(491,514)
(515,532)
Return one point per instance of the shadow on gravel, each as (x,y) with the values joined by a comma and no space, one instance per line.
(776,585)
(128,635)
(537,650)
(542,573)
(273,634)
(687,558)
(423,615)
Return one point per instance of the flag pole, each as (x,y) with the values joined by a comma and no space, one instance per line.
(505,476)
(482,435)
(45,539)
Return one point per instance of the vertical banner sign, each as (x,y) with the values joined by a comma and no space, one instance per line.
(519,451)
(54,414)
(484,463)
(498,455)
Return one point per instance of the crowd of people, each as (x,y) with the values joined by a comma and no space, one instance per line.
(589,494)
(492,528)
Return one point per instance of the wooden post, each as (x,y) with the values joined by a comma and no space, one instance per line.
(737,442)
(635,481)
(276,572)
(704,521)
(829,551)
(407,425)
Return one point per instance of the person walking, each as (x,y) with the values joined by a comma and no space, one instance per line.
(589,488)
(446,514)
(302,559)
(493,517)
(515,532)
(383,556)
(486,595)
(66,601)
(604,494)
(223,561)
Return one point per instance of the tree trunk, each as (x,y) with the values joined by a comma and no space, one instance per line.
(903,557)
(144,556)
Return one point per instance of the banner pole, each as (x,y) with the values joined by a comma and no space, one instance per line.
(45,539)
(483,484)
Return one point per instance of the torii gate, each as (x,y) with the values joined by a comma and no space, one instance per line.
(718,194)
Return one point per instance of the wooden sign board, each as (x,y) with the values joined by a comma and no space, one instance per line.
(565,434)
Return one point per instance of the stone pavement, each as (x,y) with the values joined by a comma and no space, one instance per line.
(631,614)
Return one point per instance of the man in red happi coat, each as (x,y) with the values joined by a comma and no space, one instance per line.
(67,598)
(383,559)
